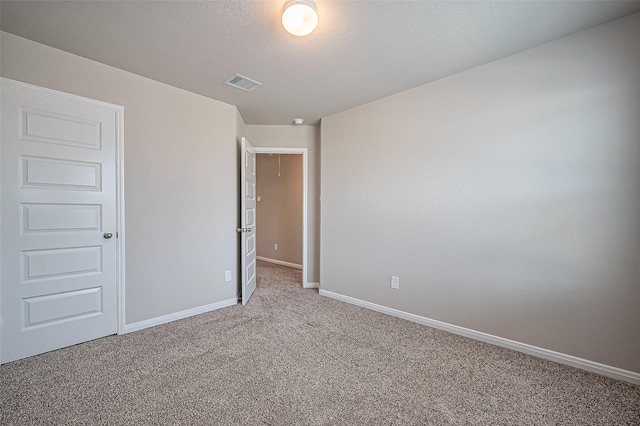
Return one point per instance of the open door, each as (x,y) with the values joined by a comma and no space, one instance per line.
(247,228)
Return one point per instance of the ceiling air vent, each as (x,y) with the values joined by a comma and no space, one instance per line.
(243,83)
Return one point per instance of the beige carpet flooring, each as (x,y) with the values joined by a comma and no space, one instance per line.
(292,357)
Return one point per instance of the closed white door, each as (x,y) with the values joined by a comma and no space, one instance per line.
(58,220)
(248,220)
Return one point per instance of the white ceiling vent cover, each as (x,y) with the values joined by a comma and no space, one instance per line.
(243,83)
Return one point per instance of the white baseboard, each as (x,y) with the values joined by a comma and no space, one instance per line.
(312,285)
(279,262)
(584,364)
(128,328)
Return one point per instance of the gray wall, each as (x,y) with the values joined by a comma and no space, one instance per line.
(180,177)
(506,197)
(278,136)
(279,212)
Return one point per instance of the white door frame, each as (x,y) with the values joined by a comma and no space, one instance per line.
(305,168)
(120,235)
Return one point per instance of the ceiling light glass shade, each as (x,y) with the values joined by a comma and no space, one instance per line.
(300,17)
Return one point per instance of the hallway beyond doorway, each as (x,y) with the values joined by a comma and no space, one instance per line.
(273,275)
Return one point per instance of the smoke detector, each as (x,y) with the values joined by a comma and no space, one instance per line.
(243,83)
(298,121)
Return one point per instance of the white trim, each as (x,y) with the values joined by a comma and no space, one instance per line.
(305,173)
(178,315)
(312,285)
(120,219)
(279,262)
(119,160)
(584,364)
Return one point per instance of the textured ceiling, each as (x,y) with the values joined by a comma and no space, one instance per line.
(361,50)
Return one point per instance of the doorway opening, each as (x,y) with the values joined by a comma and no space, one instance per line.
(281,211)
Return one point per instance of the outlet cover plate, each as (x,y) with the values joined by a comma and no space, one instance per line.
(395,283)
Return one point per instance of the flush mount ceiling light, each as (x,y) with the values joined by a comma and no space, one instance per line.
(300,17)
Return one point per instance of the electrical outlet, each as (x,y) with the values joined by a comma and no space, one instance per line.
(395,283)
(227,276)
(275,247)
(258,198)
